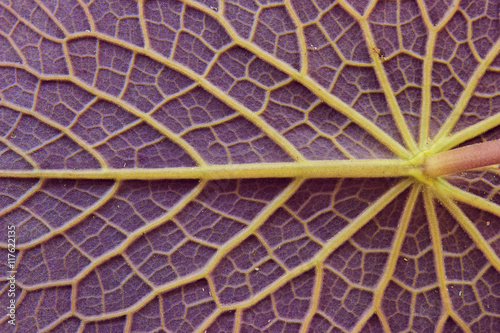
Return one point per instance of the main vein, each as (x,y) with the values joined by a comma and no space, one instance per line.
(309,169)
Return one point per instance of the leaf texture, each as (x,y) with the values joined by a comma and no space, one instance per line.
(247,166)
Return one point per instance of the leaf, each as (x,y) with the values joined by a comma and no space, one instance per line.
(206,166)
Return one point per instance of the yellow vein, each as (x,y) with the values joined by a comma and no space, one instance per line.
(316,294)
(425,108)
(88,15)
(208,321)
(304,63)
(60,319)
(14,46)
(126,75)
(142,20)
(386,88)
(398,243)
(52,17)
(433,223)
(309,169)
(368,10)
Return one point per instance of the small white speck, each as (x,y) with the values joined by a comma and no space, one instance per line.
(257,269)
(214,8)
(460,293)
(405,259)
(488,223)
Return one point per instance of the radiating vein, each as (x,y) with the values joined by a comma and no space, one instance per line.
(466,134)
(397,244)
(468,198)
(388,92)
(391,263)
(433,223)
(469,228)
(425,108)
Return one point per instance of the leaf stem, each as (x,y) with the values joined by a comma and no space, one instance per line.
(462,159)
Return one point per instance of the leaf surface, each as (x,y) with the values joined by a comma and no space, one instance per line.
(217,166)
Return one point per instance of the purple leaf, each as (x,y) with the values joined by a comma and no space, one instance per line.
(253,166)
